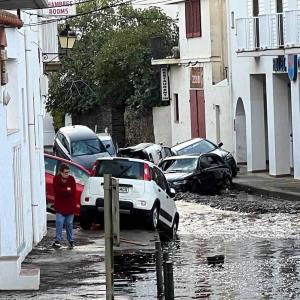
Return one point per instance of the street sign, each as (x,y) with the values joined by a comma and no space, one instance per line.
(164,84)
(60,8)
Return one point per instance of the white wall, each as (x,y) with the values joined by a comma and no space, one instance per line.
(162,125)
(25,88)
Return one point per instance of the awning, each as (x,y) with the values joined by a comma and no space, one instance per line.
(23,4)
(9,19)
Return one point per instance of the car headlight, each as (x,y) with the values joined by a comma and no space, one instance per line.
(179,182)
(228,156)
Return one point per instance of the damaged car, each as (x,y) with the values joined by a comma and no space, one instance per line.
(148,151)
(197,173)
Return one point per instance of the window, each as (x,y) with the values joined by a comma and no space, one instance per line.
(159,179)
(203,146)
(121,169)
(87,147)
(50,165)
(79,175)
(193,18)
(176,108)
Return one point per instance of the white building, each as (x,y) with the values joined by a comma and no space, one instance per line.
(22,186)
(265,43)
(200,104)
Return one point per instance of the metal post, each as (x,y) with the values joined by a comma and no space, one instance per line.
(115,212)
(169,281)
(159,275)
(109,264)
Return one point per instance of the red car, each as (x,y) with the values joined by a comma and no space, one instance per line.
(80,174)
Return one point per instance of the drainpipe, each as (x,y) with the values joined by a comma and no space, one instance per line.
(31,136)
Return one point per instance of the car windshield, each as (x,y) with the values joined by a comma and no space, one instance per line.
(202,146)
(121,169)
(87,147)
(180,165)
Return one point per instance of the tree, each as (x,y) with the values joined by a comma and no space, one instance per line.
(111,63)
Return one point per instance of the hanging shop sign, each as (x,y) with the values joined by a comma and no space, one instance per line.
(292,66)
(60,8)
(165,90)
(196,78)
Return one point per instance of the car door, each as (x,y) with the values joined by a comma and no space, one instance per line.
(208,172)
(166,202)
(50,171)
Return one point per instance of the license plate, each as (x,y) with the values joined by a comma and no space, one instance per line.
(123,189)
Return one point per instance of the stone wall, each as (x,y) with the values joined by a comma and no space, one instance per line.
(138,126)
(103,117)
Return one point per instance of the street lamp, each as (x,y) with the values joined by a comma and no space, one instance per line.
(67,38)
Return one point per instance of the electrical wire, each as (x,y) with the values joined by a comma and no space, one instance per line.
(95,13)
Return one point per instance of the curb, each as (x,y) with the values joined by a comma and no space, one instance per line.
(290,196)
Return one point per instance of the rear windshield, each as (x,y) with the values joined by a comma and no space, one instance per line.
(121,169)
(87,147)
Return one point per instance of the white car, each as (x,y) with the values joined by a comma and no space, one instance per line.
(143,193)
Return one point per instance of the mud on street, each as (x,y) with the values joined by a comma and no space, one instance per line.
(259,238)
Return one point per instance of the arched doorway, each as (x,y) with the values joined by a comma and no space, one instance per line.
(240,131)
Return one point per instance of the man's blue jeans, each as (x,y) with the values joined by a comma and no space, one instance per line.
(60,221)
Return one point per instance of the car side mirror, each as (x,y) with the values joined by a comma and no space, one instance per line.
(172,193)
(220,145)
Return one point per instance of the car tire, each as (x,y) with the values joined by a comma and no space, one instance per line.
(85,223)
(174,228)
(234,172)
(153,218)
(227,182)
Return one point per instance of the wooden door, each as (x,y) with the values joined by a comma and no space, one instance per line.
(197,105)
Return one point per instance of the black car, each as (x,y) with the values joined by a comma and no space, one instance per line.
(197,173)
(79,144)
(199,145)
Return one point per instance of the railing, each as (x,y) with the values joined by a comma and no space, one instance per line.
(272,31)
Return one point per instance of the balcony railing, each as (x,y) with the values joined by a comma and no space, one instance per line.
(269,32)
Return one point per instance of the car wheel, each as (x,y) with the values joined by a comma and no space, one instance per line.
(227,182)
(175,227)
(85,223)
(234,172)
(152,220)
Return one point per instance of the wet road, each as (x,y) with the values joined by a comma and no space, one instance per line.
(259,238)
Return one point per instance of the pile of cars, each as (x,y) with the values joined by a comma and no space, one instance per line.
(149,174)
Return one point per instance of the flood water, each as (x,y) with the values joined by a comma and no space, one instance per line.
(261,254)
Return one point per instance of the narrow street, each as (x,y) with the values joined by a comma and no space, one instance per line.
(259,238)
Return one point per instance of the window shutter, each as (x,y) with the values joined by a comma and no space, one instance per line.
(193,18)
(196,8)
(188,19)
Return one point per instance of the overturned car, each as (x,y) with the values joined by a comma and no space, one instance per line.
(147,151)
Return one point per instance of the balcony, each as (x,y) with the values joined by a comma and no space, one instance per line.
(273,34)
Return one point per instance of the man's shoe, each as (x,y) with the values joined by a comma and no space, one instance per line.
(56,244)
(71,245)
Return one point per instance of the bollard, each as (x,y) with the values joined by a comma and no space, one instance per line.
(109,263)
(159,275)
(169,281)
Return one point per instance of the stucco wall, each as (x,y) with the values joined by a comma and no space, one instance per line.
(162,125)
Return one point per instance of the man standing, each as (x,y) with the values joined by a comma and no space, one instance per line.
(64,186)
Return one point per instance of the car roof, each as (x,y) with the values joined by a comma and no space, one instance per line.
(77,132)
(69,162)
(186,156)
(126,159)
(186,143)
(104,136)
(140,146)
